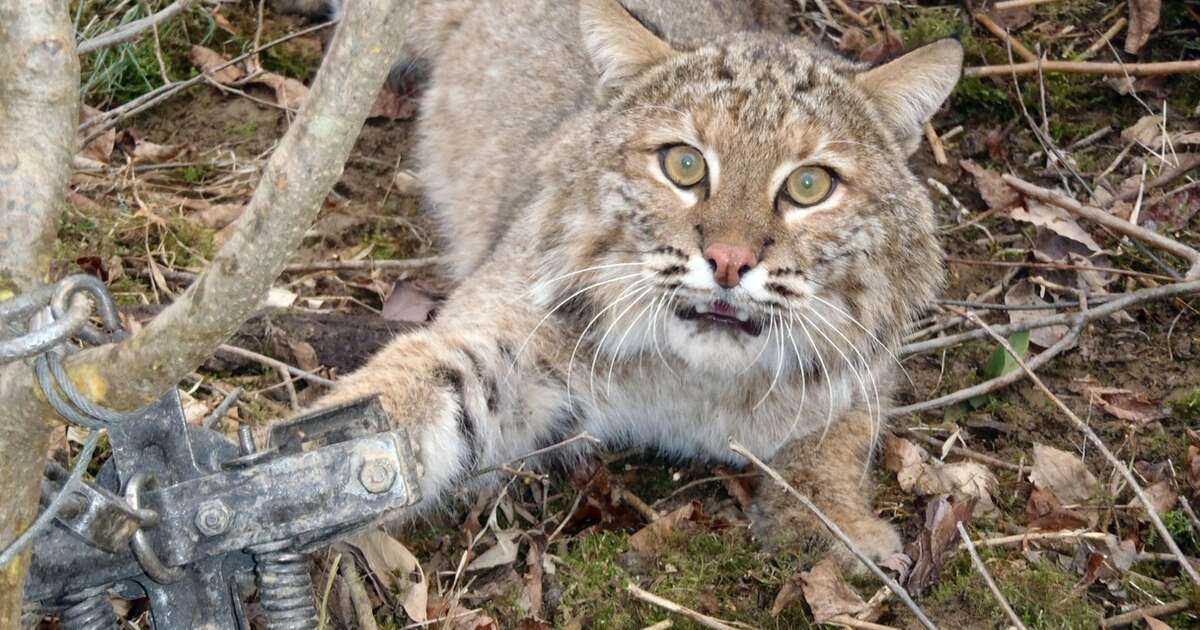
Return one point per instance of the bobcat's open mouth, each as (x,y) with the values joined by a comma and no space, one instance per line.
(723,314)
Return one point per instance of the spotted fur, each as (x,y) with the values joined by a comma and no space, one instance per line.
(578,264)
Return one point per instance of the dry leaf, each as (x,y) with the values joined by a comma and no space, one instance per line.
(827,593)
(209,60)
(386,558)
(788,594)
(1125,404)
(853,40)
(886,48)
(502,553)
(649,539)
(1062,474)
(1162,498)
(289,92)
(1143,19)
(408,303)
(1147,130)
(937,542)
(215,216)
(1055,219)
(1193,466)
(531,594)
(963,480)
(996,193)
(279,297)
(1024,293)
(738,487)
(1044,511)
(905,459)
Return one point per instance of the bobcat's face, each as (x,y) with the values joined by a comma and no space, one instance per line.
(756,213)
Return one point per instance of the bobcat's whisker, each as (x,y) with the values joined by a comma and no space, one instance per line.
(621,342)
(779,362)
(877,422)
(757,356)
(543,283)
(625,293)
(666,311)
(637,299)
(882,346)
(803,383)
(862,386)
(828,377)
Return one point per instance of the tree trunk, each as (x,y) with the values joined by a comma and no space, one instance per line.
(39,109)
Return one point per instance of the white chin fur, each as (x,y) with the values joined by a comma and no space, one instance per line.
(722,352)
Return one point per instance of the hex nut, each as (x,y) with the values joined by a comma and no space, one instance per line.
(377,475)
(213,518)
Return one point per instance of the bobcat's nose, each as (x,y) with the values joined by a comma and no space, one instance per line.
(729,262)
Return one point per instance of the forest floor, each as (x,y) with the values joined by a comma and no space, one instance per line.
(152,199)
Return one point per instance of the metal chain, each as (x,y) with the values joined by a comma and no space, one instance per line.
(70,304)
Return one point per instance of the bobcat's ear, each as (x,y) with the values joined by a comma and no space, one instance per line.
(620,46)
(909,90)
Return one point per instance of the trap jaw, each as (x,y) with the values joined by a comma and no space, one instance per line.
(185,517)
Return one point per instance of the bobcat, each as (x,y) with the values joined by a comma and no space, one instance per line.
(672,223)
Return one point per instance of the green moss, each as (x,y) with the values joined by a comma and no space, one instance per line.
(244,131)
(1187,403)
(1038,592)
(720,573)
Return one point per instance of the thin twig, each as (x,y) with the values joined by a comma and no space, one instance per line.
(1030,264)
(638,505)
(1114,223)
(1003,35)
(323,614)
(275,364)
(837,533)
(1104,39)
(1000,541)
(132,30)
(230,400)
(1004,380)
(682,611)
(1014,4)
(1114,305)
(1134,616)
(364,613)
(541,451)
(935,145)
(858,624)
(987,578)
(1151,512)
(365,265)
(961,451)
(1087,67)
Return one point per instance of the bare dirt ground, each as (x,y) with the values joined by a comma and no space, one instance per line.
(153,195)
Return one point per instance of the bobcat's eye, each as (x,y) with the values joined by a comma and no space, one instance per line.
(683,165)
(809,185)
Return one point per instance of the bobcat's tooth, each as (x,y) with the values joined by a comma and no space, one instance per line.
(743,315)
(702,308)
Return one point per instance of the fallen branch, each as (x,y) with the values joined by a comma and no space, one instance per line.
(1104,39)
(682,611)
(1134,616)
(275,364)
(132,30)
(1116,463)
(1004,380)
(935,145)
(410,264)
(364,613)
(1015,4)
(1003,35)
(1028,537)
(837,532)
(987,578)
(1087,67)
(1114,305)
(1114,223)
(1186,162)
(858,624)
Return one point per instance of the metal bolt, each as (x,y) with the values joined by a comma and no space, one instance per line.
(213,518)
(377,475)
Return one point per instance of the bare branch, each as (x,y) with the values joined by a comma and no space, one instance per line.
(39,107)
(1087,67)
(987,578)
(1114,223)
(132,30)
(683,611)
(1118,303)
(1134,616)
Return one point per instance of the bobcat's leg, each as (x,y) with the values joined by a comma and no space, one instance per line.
(832,473)
(467,401)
